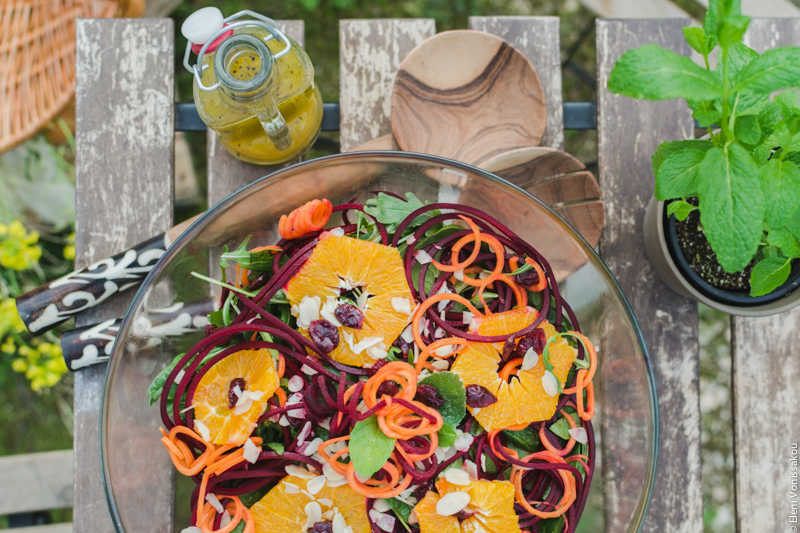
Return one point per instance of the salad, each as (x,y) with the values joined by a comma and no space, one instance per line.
(385,367)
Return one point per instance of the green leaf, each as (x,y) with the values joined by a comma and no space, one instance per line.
(739,55)
(680,208)
(710,25)
(782,238)
(239,527)
(561,428)
(669,148)
(525,439)
(551,525)
(780,181)
(451,389)
(391,211)
(256,261)
(704,112)
(747,129)
(732,29)
(769,117)
(215,317)
(778,68)
(731,205)
(768,275)
(401,509)
(789,102)
(677,175)
(694,36)
(793,224)
(158,383)
(276,447)
(653,73)
(369,448)
(447,435)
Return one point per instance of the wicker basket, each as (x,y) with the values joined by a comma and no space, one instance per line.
(37,59)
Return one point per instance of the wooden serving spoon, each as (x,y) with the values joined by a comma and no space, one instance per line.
(557,179)
(467,95)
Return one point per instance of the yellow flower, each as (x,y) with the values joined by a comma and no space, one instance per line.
(69,249)
(41,363)
(18,248)
(10,320)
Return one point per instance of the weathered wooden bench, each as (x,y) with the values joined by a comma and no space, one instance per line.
(125,132)
(36,482)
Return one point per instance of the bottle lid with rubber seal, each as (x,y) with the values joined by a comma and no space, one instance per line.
(201,25)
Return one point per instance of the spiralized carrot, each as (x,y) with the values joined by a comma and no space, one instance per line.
(538,287)
(583,379)
(424,306)
(570,444)
(307,218)
(475,237)
(567,499)
(214,461)
(510,368)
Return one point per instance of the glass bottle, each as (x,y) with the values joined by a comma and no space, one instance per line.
(253,86)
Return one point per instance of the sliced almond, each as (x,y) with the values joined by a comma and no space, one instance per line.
(315,485)
(452,503)
(380,505)
(530,360)
(549,383)
(579,434)
(313,512)
(290,488)
(456,476)
(299,471)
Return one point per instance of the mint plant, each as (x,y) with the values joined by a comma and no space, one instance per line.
(746,177)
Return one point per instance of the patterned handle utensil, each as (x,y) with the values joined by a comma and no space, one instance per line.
(55,302)
(91,345)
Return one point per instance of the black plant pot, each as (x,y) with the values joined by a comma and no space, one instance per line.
(664,253)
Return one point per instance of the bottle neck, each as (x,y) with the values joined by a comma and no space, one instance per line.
(244,66)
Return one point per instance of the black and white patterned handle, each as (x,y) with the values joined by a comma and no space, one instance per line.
(55,302)
(91,345)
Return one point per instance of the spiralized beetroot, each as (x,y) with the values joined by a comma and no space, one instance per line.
(331,391)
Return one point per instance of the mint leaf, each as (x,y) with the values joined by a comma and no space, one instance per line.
(694,36)
(276,447)
(769,117)
(653,73)
(739,55)
(447,435)
(401,509)
(369,448)
(704,112)
(525,439)
(731,206)
(667,149)
(793,224)
(776,69)
(449,387)
(747,129)
(677,175)
(732,29)
(390,211)
(561,428)
(768,275)
(780,181)
(680,208)
(551,525)
(789,102)
(783,239)
(158,383)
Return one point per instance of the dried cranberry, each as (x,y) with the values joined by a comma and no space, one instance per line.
(524,344)
(422,490)
(232,396)
(401,343)
(478,396)
(350,316)
(323,526)
(463,515)
(388,387)
(429,396)
(529,277)
(509,346)
(380,363)
(324,334)
(539,340)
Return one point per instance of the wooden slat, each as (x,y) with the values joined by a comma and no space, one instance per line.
(123,169)
(635,9)
(766,375)
(51,528)
(370,52)
(539,40)
(765,8)
(37,482)
(226,174)
(628,133)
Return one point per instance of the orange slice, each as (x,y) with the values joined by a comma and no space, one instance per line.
(522,400)
(282,510)
(491,501)
(373,267)
(257,369)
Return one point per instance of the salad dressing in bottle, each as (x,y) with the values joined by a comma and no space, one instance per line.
(253,86)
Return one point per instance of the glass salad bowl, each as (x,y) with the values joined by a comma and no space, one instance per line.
(166,317)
